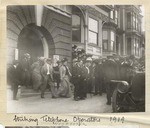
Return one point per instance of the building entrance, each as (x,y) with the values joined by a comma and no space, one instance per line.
(35,41)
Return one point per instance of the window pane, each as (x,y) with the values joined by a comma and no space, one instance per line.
(105,44)
(76,28)
(105,35)
(129,19)
(75,21)
(116,14)
(112,36)
(129,46)
(93,25)
(92,37)
(112,46)
(111,14)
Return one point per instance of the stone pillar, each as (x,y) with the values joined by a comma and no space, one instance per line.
(132,46)
(39,14)
(123,25)
(100,33)
(86,31)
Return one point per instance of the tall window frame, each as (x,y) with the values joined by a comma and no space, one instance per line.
(105,40)
(129,20)
(76,28)
(112,41)
(116,16)
(93,31)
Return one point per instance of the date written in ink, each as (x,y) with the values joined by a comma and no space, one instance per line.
(117,119)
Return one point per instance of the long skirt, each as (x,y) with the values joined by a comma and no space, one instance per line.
(64,89)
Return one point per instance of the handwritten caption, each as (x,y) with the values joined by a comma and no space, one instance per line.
(75,120)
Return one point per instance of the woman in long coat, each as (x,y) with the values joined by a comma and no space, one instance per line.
(64,89)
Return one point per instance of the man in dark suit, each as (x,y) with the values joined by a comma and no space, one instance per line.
(14,77)
(26,76)
(98,77)
(85,77)
(76,78)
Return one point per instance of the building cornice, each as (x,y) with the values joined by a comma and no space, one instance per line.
(94,12)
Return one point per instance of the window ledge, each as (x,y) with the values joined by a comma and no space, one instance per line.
(95,45)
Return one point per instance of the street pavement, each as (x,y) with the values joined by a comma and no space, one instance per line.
(35,105)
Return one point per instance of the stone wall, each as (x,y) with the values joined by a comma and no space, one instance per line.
(58,25)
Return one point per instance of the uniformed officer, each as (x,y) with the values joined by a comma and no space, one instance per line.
(76,78)
(98,76)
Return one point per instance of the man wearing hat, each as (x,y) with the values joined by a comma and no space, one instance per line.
(86,77)
(47,77)
(75,76)
(78,80)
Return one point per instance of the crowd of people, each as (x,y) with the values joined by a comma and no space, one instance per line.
(87,75)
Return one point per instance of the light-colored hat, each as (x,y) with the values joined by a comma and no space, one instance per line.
(75,60)
(89,59)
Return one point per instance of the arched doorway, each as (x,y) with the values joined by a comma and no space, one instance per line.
(35,41)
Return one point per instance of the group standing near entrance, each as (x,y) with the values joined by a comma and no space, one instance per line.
(87,76)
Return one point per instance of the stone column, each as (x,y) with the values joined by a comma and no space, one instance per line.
(123,25)
(86,31)
(100,33)
(39,14)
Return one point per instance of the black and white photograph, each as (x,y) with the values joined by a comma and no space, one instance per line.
(75,59)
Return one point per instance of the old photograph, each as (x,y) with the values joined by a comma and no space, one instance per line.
(75,59)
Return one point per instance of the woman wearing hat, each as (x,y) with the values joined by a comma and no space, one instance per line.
(64,89)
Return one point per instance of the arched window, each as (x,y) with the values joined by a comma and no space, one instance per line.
(76,28)
(77,25)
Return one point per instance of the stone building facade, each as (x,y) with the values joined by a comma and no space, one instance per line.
(39,31)
(52,30)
